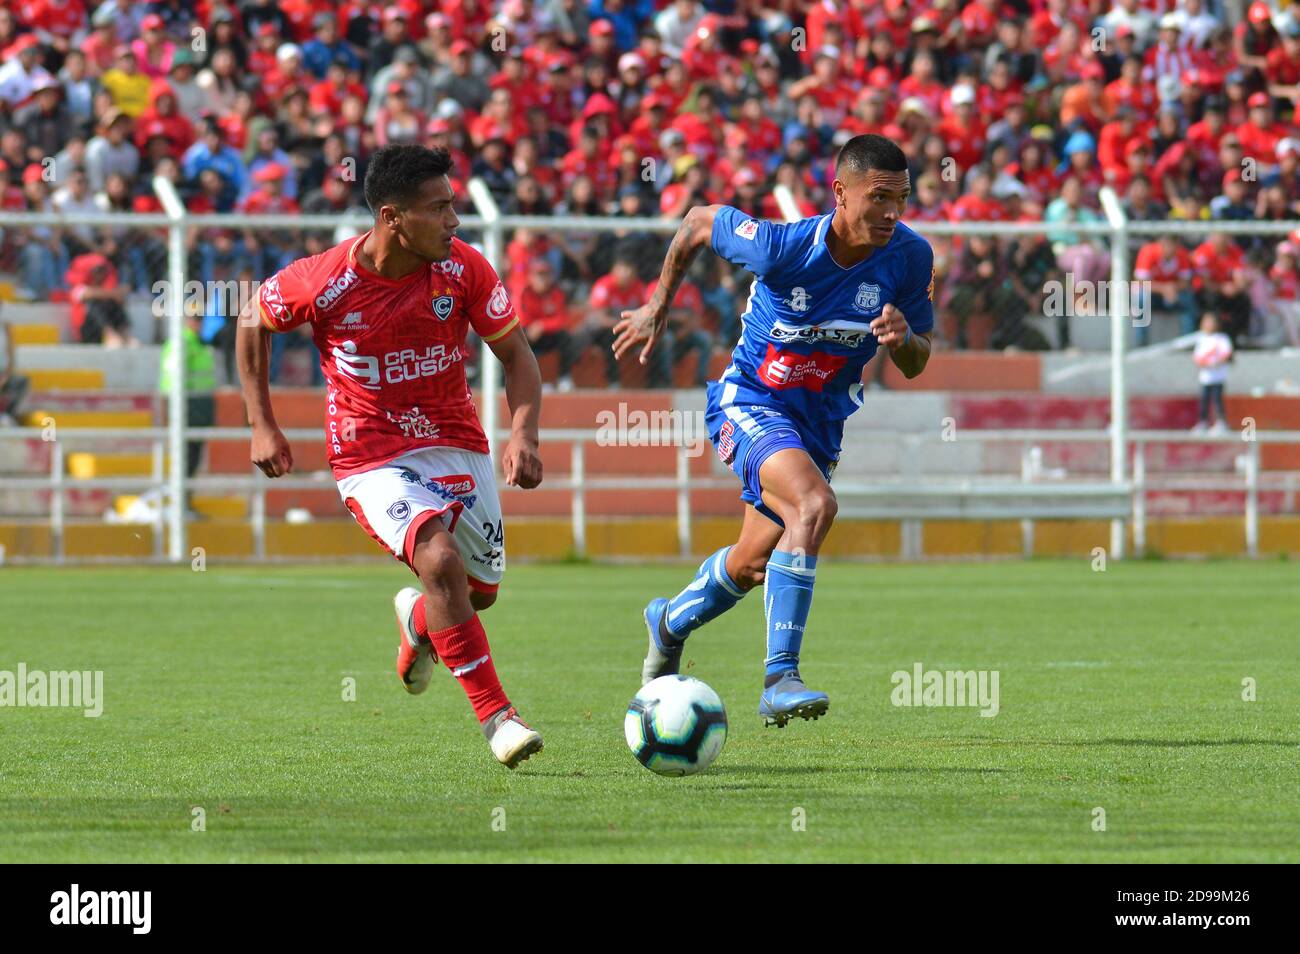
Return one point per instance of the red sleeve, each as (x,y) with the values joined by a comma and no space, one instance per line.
(284,300)
(491,313)
(1142,267)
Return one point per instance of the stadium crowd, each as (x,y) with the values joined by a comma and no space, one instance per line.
(1018,110)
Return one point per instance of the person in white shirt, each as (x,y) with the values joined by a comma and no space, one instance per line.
(1211,355)
(676,23)
(19,76)
(1132,14)
(1195,24)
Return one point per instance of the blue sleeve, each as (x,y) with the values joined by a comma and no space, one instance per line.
(916,291)
(754,243)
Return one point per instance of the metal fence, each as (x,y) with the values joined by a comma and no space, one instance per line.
(1116,233)
(1029,496)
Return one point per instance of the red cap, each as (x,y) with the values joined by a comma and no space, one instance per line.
(269,172)
(1137,145)
(743,177)
(1093,70)
(394,88)
(736,137)
(437,126)
(1123,30)
(33,173)
(460,47)
(25,42)
(598,103)
(1232,175)
(601,28)
(1259,13)
(394,12)
(155,129)
(152,22)
(1258,99)
(880,77)
(268,29)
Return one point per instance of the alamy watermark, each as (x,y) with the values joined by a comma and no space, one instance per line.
(947,687)
(1086,298)
(622,427)
(36,688)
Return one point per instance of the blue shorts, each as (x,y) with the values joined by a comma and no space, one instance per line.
(746,431)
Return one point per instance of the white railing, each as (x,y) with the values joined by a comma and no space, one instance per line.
(1027,496)
(494,226)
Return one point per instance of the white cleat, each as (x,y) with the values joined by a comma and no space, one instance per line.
(415,656)
(512,739)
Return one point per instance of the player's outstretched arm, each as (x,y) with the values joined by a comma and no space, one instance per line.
(520,461)
(908,351)
(269,449)
(647,322)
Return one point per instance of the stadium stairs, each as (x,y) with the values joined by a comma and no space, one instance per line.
(86,386)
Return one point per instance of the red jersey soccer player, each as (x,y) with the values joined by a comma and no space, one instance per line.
(389,312)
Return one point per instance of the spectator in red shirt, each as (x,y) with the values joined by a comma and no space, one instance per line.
(1222,281)
(963,132)
(685,332)
(922,83)
(98,302)
(1254,37)
(1164,269)
(269,249)
(1260,134)
(543,311)
(621,290)
(1282,65)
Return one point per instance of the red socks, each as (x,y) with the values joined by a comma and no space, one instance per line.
(464,650)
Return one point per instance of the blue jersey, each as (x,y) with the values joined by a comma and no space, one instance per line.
(806,326)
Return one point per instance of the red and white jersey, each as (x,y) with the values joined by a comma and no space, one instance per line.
(392,350)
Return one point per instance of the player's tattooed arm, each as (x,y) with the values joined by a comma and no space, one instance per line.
(648,322)
(520,461)
(269,449)
(908,351)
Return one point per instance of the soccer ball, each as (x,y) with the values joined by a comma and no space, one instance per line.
(675,725)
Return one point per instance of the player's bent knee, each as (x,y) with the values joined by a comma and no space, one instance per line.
(439,565)
(816,512)
(481,600)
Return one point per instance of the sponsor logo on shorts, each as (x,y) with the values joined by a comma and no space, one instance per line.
(454,484)
(400,510)
(455,487)
(787,369)
(727,442)
(747,229)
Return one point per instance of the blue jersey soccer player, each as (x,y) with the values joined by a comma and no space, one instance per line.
(828,292)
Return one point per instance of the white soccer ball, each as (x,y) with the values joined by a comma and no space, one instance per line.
(675,725)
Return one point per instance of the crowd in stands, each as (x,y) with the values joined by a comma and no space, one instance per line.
(1007,109)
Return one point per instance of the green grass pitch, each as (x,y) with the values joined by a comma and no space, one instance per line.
(223,690)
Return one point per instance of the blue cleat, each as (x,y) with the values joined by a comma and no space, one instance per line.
(662,659)
(784,700)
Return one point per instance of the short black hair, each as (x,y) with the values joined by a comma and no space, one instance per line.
(396,173)
(870,151)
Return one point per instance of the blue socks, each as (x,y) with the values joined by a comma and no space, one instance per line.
(708,596)
(787,598)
